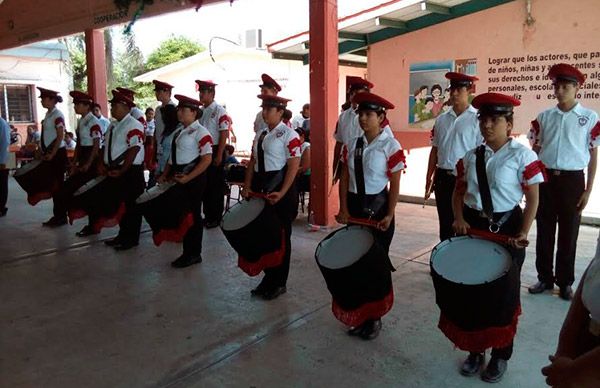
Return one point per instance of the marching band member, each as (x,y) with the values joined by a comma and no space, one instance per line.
(215,119)
(455,132)
(123,158)
(275,152)
(84,168)
(165,122)
(192,146)
(512,171)
(269,87)
(575,363)
(53,148)
(566,138)
(371,162)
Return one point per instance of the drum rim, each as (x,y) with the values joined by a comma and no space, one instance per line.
(28,167)
(98,180)
(166,187)
(221,224)
(464,237)
(361,227)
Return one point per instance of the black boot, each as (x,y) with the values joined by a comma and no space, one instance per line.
(55,221)
(371,329)
(540,287)
(472,364)
(494,371)
(186,260)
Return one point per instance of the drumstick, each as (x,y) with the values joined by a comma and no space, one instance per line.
(500,238)
(362,221)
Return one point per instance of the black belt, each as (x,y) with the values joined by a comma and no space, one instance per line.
(554,172)
(501,218)
(445,171)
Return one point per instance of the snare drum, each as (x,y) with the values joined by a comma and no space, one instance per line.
(101,200)
(477,290)
(167,210)
(357,272)
(38,179)
(256,234)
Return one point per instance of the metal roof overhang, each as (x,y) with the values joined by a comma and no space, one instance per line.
(356,32)
(27,21)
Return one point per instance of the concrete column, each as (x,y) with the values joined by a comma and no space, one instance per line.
(96,67)
(324,76)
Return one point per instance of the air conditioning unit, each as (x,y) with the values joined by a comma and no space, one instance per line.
(253,39)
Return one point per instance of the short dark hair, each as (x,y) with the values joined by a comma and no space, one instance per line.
(96,105)
(287,114)
(149,109)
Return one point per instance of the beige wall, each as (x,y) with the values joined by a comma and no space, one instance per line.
(43,73)
(499,32)
(561,27)
(238,76)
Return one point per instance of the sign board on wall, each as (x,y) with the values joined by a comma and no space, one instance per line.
(429,93)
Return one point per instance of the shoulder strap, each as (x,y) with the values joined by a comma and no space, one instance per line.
(482,181)
(359,175)
(174,147)
(260,152)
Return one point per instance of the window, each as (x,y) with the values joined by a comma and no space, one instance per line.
(15,103)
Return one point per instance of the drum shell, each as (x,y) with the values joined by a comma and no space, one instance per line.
(167,210)
(479,306)
(40,179)
(261,236)
(367,280)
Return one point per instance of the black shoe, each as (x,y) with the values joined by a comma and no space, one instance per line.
(3,212)
(186,260)
(113,242)
(259,290)
(86,231)
(494,371)
(274,293)
(211,224)
(472,364)
(55,221)
(540,287)
(371,329)
(356,331)
(566,293)
(124,246)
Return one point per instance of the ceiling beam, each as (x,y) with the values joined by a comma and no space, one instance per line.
(435,8)
(352,36)
(287,56)
(392,23)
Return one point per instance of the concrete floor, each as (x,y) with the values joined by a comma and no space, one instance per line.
(74,313)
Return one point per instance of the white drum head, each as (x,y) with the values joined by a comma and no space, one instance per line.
(345,247)
(470,260)
(28,167)
(154,192)
(242,214)
(89,185)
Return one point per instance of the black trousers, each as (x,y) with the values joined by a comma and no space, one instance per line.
(3,189)
(59,163)
(443,187)
(213,198)
(511,227)
(558,203)
(192,241)
(287,210)
(133,185)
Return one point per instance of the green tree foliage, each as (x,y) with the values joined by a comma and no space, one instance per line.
(174,49)
(124,65)
(76,64)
